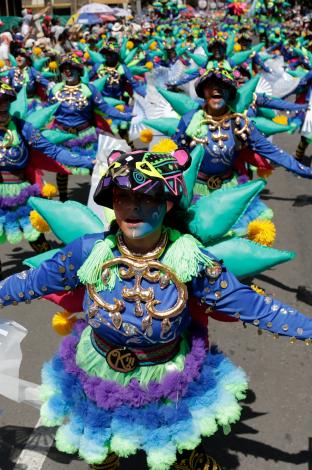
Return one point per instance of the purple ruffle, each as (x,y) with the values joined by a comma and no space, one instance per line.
(82,142)
(7,202)
(110,395)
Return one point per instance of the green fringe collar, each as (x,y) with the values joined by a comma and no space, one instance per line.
(184,256)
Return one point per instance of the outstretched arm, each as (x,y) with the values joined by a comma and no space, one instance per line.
(227,295)
(36,140)
(55,275)
(263,147)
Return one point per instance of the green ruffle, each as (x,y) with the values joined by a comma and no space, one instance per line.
(12,189)
(88,359)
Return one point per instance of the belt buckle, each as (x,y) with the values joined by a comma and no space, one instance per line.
(71,130)
(122,360)
(214,182)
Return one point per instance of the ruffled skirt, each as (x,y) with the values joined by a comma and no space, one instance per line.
(198,391)
(14,212)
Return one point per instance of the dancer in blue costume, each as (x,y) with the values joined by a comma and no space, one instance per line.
(17,139)
(76,113)
(24,74)
(223,134)
(138,372)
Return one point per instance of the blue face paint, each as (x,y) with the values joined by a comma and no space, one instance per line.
(70,76)
(138,215)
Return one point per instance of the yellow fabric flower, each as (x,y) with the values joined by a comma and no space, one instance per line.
(82,40)
(237,47)
(281,120)
(153,46)
(86,55)
(120,107)
(164,146)
(2,63)
(38,222)
(63,322)
(53,65)
(37,51)
(262,232)
(49,190)
(149,65)
(130,45)
(146,135)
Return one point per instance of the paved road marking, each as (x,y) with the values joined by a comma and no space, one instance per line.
(36,448)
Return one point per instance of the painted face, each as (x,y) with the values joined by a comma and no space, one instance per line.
(70,75)
(137,215)
(20,60)
(216,95)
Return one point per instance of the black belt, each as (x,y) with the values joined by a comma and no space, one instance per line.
(214,181)
(72,130)
(123,359)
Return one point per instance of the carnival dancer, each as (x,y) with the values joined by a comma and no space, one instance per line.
(223,134)
(17,139)
(138,373)
(77,113)
(24,74)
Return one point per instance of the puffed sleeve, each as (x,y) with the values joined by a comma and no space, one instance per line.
(222,292)
(266,149)
(55,275)
(36,140)
(276,103)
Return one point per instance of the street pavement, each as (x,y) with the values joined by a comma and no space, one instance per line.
(275,431)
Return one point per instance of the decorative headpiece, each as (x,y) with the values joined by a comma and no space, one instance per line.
(73,60)
(158,175)
(220,72)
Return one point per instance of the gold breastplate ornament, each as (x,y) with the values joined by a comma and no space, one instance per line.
(71,95)
(217,126)
(140,267)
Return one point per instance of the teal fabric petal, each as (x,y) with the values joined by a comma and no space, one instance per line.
(167,126)
(96,57)
(99,83)
(190,175)
(40,118)
(180,102)
(36,261)
(56,137)
(240,57)
(245,258)
(19,107)
(39,63)
(212,216)
(68,220)
(268,127)
(244,96)
(266,112)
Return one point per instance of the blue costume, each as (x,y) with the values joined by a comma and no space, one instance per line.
(29,77)
(137,372)
(124,381)
(16,142)
(221,151)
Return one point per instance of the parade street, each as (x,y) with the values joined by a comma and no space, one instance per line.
(275,431)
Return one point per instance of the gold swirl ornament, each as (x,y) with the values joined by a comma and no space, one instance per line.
(139,268)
